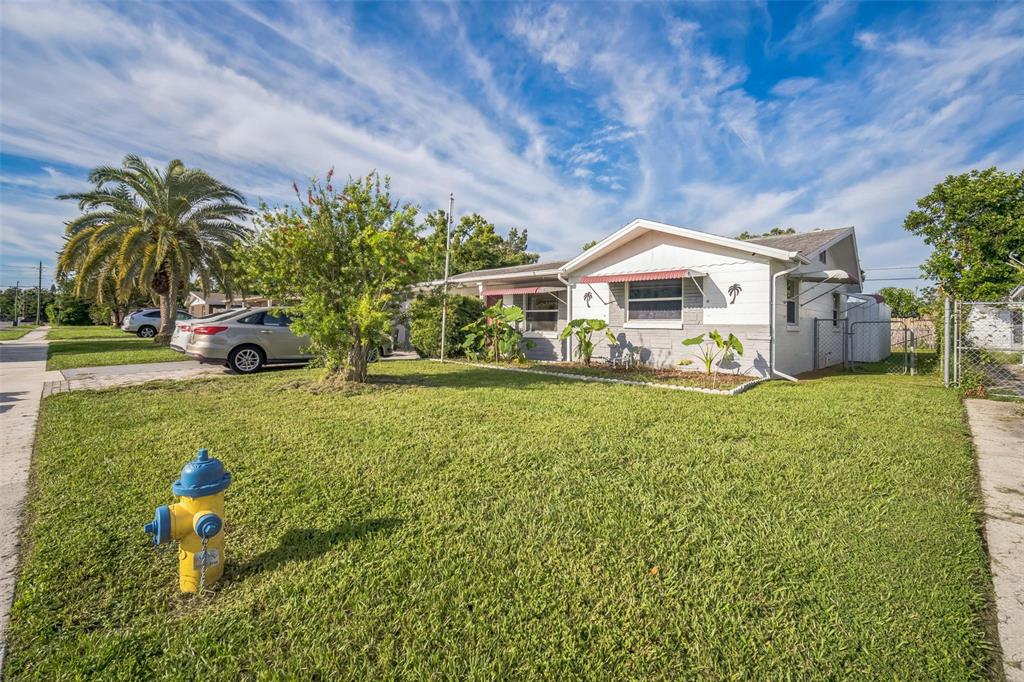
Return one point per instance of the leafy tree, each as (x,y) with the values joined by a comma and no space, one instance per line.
(68,309)
(975,223)
(583,330)
(774,232)
(425,323)
(475,245)
(902,302)
(716,347)
(344,258)
(152,230)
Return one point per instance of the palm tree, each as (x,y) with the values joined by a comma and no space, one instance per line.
(153,230)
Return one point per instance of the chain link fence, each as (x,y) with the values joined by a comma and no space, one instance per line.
(874,346)
(987,352)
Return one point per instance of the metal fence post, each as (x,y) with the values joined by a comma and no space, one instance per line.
(945,342)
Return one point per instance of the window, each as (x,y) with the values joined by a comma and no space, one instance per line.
(792,301)
(251,319)
(541,311)
(823,257)
(152,313)
(659,299)
(837,307)
(276,320)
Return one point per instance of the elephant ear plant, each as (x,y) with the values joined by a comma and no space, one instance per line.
(496,335)
(583,331)
(715,348)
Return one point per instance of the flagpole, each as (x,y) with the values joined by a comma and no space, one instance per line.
(447,261)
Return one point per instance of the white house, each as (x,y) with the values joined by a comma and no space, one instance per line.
(997,326)
(657,284)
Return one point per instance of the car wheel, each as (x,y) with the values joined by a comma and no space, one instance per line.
(146,331)
(373,355)
(246,359)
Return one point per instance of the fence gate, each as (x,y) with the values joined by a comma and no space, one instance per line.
(987,353)
(882,346)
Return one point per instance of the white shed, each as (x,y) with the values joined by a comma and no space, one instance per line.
(869,327)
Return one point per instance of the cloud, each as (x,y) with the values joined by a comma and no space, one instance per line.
(791,87)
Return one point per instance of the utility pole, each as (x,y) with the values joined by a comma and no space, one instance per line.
(39,291)
(447,260)
(17,290)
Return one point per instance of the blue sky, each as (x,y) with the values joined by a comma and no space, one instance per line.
(568,120)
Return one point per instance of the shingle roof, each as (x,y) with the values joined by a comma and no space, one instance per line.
(512,270)
(803,242)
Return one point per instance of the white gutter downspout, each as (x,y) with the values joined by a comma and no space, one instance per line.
(568,315)
(772,372)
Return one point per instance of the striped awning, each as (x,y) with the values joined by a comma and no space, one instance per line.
(640,276)
(521,290)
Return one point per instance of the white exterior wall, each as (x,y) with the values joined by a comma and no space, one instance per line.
(991,326)
(870,329)
(658,251)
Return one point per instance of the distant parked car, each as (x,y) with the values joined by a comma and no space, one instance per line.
(183,328)
(247,343)
(145,323)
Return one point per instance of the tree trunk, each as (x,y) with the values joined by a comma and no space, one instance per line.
(168,311)
(357,363)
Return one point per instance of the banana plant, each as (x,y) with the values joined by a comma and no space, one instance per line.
(583,330)
(716,347)
(496,334)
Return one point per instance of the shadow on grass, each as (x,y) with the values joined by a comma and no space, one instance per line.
(303,544)
(466,377)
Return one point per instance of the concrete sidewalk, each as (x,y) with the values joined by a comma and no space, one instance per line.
(22,374)
(998,430)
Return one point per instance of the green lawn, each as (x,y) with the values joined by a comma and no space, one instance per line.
(94,332)
(95,346)
(460,522)
(15,333)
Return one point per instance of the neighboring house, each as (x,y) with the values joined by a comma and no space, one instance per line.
(997,326)
(657,284)
(201,305)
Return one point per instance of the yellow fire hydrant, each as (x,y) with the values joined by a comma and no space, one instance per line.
(196,522)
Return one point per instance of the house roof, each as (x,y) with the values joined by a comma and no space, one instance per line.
(804,243)
(640,225)
(550,267)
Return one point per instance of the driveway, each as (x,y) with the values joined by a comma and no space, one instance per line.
(998,429)
(92,378)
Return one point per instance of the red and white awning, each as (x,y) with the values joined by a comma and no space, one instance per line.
(641,276)
(521,290)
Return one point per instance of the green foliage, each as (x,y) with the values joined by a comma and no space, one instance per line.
(583,330)
(589,245)
(496,335)
(25,302)
(475,245)
(343,259)
(101,313)
(716,348)
(456,522)
(774,232)
(974,222)
(66,309)
(425,323)
(144,229)
(903,302)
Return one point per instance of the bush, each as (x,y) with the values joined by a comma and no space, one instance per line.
(67,310)
(425,323)
(101,313)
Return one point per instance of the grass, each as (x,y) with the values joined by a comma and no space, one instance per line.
(93,332)
(15,333)
(457,522)
(95,346)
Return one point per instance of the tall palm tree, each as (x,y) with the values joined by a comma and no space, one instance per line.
(153,230)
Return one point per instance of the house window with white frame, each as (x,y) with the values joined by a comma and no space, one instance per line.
(657,299)
(792,301)
(541,312)
(837,308)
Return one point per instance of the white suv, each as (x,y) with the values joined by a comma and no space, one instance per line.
(146,322)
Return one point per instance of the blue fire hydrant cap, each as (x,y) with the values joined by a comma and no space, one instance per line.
(160,526)
(202,476)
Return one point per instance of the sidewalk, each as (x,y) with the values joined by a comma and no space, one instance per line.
(22,374)
(998,430)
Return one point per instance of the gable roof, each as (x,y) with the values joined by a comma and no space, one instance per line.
(626,233)
(550,267)
(804,243)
